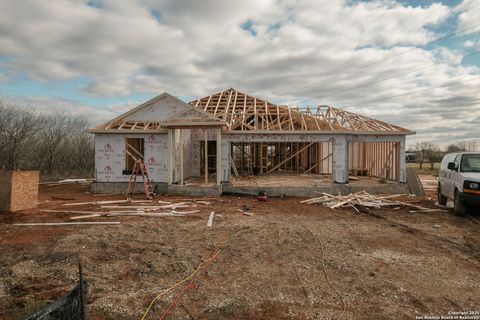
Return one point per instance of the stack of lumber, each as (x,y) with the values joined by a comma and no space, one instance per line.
(361,201)
(414,183)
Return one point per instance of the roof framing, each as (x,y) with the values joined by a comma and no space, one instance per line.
(249,113)
(239,111)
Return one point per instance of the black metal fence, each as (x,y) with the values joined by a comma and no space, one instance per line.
(69,307)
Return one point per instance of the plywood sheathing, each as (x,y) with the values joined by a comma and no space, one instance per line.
(18,190)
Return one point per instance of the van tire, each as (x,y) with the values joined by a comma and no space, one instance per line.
(459,208)
(442,200)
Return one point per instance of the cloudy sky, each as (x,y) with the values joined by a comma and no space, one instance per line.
(412,63)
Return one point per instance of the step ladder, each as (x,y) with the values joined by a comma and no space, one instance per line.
(139,167)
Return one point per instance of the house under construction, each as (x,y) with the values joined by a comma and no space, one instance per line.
(233,134)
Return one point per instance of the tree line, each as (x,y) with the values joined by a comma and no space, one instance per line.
(430,152)
(55,143)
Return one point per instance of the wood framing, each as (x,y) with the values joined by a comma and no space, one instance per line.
(232,130)
(245,112)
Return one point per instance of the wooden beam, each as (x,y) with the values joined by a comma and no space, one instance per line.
(255,113)
(232,113)
(382,173)
(227,107)
(244,110)
(206,155)
(218,103)
(170,155)
(181,157)
(266,113)
(291,157)
(66,223)
(320,162)
(208,101)
(278,119)
(290,116)
(219,156)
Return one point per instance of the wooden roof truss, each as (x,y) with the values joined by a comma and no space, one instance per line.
(244,112)
(133,125)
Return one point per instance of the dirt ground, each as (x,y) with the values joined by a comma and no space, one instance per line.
(286,261)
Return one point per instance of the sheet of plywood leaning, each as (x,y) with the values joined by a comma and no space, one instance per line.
(18,190)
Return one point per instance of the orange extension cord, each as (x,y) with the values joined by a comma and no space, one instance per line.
(191,277)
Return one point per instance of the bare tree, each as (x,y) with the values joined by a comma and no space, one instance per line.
(420,149)
(18,127)
(453,148)
(55,143)
(468,145)
(432,154)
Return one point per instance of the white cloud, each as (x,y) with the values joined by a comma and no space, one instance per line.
(469,16)
(94,115)
(194,48)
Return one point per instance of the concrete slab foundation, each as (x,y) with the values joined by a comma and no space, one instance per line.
(194,191)
(160,188)
(310,192)
(121,187)
(274,191)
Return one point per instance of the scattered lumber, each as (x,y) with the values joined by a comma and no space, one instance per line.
(62,198)
(363,199)
(247,213)
(167,206)
(172,213)
(65,223)
(95,202)
(210,219)
(70,211)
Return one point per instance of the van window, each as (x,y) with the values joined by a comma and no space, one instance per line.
(470,163)
(446,159)
(457,161)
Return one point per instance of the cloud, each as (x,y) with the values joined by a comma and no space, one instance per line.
(93,115)
(469,16)
(295,51)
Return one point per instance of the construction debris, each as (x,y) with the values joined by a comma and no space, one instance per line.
(105,202)
(173,206)
(171,213)
(95,202)
(65,223)
(67,181)
(361,201)
(210,219)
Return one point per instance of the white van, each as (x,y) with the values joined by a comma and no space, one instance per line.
(459,180)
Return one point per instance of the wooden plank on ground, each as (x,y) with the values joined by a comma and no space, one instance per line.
(210,219)
(66,223)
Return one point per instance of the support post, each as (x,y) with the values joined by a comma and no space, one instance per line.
(181,157)
(170,145)
(227,161)
(401,159)
(206,155)
(219,156)
(340,160)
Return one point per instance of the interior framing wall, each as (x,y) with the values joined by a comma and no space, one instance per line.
(341,154)
(282,157)
(375,159)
